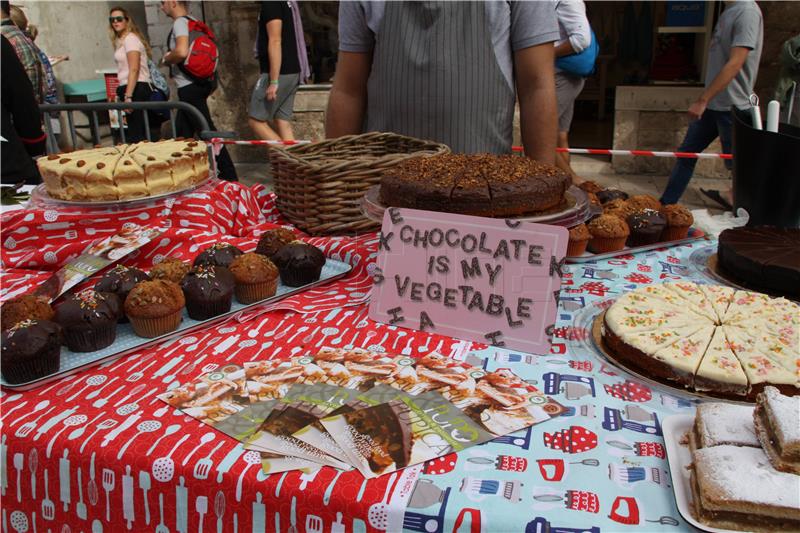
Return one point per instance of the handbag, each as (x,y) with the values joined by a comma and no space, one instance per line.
(581,64)
(158,115)
(156,77)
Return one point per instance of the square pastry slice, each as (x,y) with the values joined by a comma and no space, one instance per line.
(718,424)
(736,487)
(777,423)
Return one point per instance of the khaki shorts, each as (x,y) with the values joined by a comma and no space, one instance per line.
(568,87)
(283,105)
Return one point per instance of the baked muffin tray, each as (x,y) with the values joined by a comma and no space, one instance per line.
(706,263)
(587,257)
(128,342)
(40,198)
(577,211)
(587,338)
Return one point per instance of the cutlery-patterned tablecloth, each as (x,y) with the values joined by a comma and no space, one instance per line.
(97,452)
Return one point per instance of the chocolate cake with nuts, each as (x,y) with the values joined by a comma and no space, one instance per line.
(480,184)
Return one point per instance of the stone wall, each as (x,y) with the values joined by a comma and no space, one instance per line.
(781,21)
(655,118)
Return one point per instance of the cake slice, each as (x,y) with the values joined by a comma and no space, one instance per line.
(747,305)
(99,178)
(637,312)
(736,487)
(50,169)
(157,171)
(760,369)
(682,357)
(718,424)
(73,170)
(691,293)
(720,369)
(720,298)
(674,298)
(129,178)
(777,423)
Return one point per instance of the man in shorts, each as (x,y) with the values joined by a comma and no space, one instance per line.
(283,64)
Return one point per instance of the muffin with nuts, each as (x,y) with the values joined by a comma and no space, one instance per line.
(25,307)
(170,269)
(256,277)
(679,220)
(120,280)
(578,239)
(220,254)
(609,234)
(155,307)
(617,208)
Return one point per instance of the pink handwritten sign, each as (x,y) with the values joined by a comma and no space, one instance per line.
(488,280)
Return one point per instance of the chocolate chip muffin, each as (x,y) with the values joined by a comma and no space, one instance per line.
(607,195)
(120,280)
(208,291)
(679,220)
(170,269)
(25,307)
(299,263)
(609,234)
(31,349)
(155,307)
(256,277)
(220,254)
(273,240)
(645,227)
(89,319)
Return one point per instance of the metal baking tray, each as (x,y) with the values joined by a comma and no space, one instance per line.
(40,198)
(127,341)
(694,235)
(578,211)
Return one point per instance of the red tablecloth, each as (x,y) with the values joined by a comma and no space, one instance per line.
(98,451)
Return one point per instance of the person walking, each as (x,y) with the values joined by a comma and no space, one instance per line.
(131,52)
(191,90)
(283,63)
(28,53)
(730,77)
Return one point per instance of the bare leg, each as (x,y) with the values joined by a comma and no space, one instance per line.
(262,130)
(284,128)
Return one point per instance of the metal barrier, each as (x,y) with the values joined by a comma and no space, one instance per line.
(91,110)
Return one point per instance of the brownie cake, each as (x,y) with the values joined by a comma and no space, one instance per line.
(480,184)
(764,256)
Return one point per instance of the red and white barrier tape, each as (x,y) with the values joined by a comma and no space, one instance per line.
(590,151)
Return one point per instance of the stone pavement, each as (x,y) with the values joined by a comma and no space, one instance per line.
(596,168)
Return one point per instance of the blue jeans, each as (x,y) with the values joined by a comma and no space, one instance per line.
(700,134)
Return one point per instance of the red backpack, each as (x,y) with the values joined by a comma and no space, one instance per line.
(203,55)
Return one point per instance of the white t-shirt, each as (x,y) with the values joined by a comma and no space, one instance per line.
(180,28)
(131,43)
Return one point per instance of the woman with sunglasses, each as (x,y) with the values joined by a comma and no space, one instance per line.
(131,51)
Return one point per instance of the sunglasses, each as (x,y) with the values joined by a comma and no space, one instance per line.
(112,20)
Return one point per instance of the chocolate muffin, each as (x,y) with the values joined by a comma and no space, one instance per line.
(25,307)
(120,280)
(89,319)
(609,233)
(646,227)
(679,220)
(31,349)
(578,239)
(208,291)
(299,263)
(154,307)
(273,240)
(220,254)
(170,269)
(256,277)
(607,195)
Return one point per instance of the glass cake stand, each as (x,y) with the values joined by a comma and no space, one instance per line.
(576,211)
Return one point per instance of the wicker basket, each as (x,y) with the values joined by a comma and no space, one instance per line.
(319,185)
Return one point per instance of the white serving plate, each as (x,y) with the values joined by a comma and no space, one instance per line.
(679,457)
